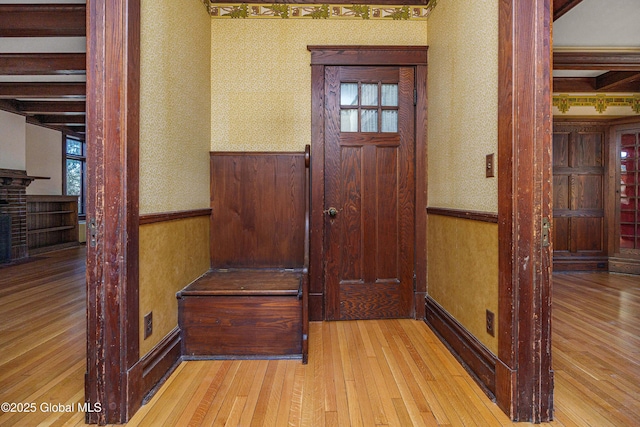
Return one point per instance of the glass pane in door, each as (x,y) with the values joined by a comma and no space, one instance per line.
(629,191)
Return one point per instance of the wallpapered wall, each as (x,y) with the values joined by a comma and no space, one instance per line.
(463,128)
(175,105)
(463,104)
(261,78)
(175,112)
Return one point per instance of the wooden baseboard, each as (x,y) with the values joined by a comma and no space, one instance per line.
(624,265)
(150,372)
(580,264)
(471,353)
(315,307)
(419,298)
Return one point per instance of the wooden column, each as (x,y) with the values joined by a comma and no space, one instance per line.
(523,373)
(113,70)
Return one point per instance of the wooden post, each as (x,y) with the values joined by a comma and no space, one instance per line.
(113,70)
(523,373)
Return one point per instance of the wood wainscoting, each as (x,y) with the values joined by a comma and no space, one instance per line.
(254,300)
(580,217)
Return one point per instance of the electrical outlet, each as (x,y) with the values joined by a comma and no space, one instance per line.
(148,324)
(490,319)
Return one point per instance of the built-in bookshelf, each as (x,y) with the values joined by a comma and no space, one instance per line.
(52,222)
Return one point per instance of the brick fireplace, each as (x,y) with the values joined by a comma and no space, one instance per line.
(13,214)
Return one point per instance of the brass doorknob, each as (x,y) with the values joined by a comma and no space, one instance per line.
(332,212)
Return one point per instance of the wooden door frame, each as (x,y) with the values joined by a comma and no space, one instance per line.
(112,382)
(407,56)
(524,379)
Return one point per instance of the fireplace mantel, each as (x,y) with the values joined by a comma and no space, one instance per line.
(17,178)
(13,202)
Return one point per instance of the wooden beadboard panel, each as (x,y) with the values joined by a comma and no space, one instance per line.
(258,204)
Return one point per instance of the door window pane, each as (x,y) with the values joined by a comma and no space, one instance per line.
(370,95)
(349,120)
(369,121)
(389,121)
(349,94)
(389,95)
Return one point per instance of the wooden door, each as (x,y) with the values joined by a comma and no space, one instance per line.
(578,197)
(369,192)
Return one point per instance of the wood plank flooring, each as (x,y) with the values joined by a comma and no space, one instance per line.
(361,373)
(43,337)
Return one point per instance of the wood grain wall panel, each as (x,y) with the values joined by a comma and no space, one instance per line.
(561,192)
(588,235)
(221,324)
(587,192)
(579,164)
(257,202)
(560,235)
(560,149)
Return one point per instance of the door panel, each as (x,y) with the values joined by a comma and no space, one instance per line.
(370,182)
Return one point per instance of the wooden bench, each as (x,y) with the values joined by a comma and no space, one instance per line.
(253,303)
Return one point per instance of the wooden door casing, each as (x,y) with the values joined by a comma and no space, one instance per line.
(370,180)
(579,223)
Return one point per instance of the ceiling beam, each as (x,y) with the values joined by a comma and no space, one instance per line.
(574,84)
(61,120)
(42,63)
(52,107)
(596,60)
(560,7)
(590,84)
(42,90)
(42,20)
(612,80)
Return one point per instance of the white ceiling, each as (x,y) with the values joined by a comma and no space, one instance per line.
(599,23)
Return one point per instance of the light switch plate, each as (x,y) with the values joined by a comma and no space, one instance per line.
(490,166)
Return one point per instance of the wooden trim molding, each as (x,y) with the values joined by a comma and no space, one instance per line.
(477,359)
(613,60)
(157,365)
(172,216)
(472,215)
(368,55)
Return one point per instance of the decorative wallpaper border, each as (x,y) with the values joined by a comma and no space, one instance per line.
(320,11)
(600,102)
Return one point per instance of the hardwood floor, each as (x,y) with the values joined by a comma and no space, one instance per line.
(364,373)
(43,337)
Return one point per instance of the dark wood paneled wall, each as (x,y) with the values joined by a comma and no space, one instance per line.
(579,183)
(257,202)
